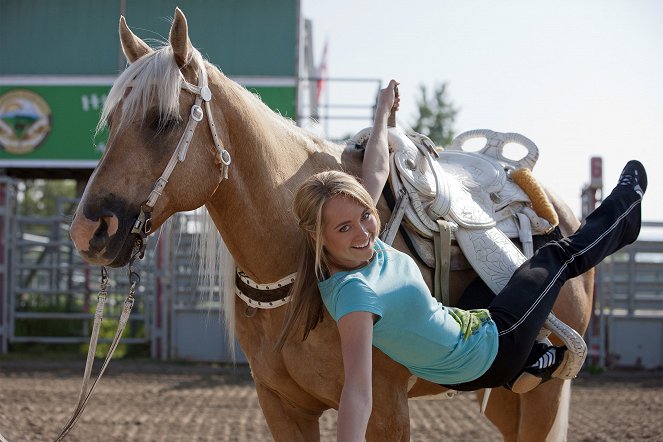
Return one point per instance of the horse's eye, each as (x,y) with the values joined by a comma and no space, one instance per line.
(162,123)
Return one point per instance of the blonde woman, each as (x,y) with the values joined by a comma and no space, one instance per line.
(377,295)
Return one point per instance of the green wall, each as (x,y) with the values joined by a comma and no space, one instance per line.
(79,37)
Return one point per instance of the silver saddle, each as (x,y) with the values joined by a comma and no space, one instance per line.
(469,197)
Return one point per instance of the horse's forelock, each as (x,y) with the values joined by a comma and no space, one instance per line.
(155,80)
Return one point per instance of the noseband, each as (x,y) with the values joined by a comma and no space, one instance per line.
(143,224)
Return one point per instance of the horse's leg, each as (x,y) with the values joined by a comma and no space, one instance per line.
(560,428)
(286,421)
(539,408)
(390,417)
(503,411)
(530,416)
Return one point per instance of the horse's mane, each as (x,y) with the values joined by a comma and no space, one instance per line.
(153,78)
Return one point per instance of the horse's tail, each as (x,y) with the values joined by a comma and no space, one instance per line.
(216,272)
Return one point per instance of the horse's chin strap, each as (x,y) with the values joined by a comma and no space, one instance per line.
(143,224)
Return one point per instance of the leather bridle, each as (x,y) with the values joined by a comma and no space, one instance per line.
(142,226)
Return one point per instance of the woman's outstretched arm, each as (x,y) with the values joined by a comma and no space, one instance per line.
(375,168)
(356,330)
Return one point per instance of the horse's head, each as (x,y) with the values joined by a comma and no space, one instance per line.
(149,111)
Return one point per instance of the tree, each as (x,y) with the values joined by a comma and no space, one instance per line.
(436,115)
(39,197)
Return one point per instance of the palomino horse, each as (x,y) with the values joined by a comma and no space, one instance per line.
(147,111)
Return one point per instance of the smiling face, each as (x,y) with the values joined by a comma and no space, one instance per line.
(349,231)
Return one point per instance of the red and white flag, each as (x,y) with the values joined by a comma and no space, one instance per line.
(322,71)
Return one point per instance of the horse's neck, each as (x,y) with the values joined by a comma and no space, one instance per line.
(270,159)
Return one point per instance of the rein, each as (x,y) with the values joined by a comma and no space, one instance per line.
(85,394)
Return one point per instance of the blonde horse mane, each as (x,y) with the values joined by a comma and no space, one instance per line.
(155,77)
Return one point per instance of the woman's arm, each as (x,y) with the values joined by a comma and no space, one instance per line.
(375,168)
(356,330)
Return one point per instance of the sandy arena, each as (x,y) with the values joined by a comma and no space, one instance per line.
(152,401)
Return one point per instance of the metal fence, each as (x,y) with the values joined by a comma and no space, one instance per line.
(48,293)
(628,316)
(52,292)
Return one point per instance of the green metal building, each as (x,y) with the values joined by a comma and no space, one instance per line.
(59,58)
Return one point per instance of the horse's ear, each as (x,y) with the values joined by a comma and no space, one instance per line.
(132,46)
(179,39)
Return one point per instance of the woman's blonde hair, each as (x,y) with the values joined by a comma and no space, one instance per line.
(305,302)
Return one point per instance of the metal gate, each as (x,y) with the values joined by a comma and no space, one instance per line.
(196,324)
(51,291)
(48,293)
(7,199)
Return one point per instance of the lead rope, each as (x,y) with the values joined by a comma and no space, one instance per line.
(85,394)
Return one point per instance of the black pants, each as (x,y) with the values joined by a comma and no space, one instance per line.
(522,307)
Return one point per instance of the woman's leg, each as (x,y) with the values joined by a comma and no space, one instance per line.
(522,307)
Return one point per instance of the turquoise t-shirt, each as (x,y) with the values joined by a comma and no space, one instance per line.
(437,343)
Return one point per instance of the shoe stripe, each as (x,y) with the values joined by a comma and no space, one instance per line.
(565,265)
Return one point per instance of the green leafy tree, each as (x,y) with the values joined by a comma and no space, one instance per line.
(39,197)
(436,115)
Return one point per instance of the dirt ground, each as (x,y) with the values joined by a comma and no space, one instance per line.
(152,401)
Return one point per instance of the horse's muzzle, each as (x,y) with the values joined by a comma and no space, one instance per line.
(105,240)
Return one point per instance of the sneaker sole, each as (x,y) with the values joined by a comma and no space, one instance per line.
(527,382)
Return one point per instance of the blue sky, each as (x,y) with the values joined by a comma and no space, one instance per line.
(580,78)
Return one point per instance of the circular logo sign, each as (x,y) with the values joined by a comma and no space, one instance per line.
(25,121)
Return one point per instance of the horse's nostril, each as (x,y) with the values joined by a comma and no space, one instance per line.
(103,228)
(108,224)
(99,238)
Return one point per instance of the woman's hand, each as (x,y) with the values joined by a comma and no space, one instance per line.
(389,98)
